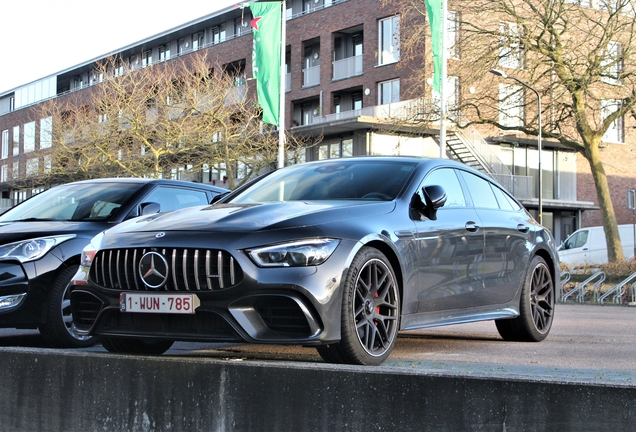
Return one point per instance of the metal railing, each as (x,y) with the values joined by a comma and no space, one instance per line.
(311,76)
(348,67)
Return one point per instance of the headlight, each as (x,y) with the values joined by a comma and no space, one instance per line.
(310,252)
(32,249)
(88,254)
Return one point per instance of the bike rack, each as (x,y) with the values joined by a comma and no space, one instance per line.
(619,290)
(565,278)
(581,289)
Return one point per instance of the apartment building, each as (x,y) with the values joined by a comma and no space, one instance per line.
(346,82)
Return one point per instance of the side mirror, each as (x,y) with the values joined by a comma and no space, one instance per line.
(149,208)
(434,197)
(218,197)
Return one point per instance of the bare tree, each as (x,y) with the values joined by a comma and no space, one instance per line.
(188,112)
(580,60)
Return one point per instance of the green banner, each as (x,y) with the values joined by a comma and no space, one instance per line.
(266,27)
(434,9)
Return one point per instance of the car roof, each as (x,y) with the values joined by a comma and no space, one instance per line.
(166,182)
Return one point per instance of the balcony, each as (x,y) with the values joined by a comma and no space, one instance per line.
(311,76)
(347,68)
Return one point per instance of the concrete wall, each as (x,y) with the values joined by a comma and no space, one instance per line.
(87,391)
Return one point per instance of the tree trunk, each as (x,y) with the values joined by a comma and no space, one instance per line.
(614,246)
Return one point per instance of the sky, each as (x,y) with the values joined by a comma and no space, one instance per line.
(43,37)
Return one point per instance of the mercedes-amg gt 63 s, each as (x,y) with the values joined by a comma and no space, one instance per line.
(337,254)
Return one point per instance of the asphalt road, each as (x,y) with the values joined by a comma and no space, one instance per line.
(586,343)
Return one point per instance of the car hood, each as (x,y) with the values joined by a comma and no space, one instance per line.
(16,231)
(256,217)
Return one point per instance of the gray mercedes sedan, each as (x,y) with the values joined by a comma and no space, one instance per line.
(337,254)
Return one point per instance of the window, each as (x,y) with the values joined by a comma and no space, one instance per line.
(16,140)
(15,170)
(170,198)
(389,92)
(5,144)
(47,164)
(198,40)
(452,35)
(181,46)
(480,191)
(147,58)
(511,110)
(46,132)
(164,53)
(446,178)
(615,132)
(510,49)
(29,137)
(612,64)
(218,34)
(389,35)
(238,26)
(3,174)
(336,150)
(32,167)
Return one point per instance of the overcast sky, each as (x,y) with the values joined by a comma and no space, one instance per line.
(42,37)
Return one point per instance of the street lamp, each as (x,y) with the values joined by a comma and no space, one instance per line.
(504,75)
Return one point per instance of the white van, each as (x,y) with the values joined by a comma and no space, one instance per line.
(588,245)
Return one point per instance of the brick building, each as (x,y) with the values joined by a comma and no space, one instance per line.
(347,83)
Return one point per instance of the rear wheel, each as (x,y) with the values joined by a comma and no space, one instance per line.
(135,346)
(59,329)
(536,309)
(370,312)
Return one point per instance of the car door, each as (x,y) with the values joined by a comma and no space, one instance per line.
(506,227)
(450,249)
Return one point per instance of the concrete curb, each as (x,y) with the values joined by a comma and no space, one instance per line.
(65,390)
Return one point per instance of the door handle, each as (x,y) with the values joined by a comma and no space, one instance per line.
(471,226)
(523,228)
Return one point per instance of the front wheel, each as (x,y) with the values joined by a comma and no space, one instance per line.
(59,329)
(123,345)
(370,312)
(536,308)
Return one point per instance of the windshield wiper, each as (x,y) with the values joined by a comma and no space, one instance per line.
(34,219)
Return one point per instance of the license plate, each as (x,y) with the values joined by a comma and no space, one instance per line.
(159,303)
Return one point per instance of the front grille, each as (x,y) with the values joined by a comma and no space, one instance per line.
(188,269)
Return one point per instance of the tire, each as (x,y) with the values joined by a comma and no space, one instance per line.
(123,345)
(370,312)
(536,308)
(59,330)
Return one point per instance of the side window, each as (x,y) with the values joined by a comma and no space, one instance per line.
(505,202)
(480,191)
(171,198)
(446,178)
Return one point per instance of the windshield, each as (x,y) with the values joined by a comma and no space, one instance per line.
(332,180)
(73,202)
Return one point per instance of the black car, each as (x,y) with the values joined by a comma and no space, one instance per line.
(337,254)
(41,241)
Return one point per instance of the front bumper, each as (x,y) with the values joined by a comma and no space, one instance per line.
(289,305)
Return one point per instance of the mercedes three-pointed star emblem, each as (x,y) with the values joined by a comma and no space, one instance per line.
(153,269)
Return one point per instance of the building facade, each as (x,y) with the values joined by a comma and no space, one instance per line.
(346,82)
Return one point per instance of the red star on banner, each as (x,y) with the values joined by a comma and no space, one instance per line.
(254,22)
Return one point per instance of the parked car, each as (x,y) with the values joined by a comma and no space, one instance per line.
(589,245)
(337,254)
(41,241)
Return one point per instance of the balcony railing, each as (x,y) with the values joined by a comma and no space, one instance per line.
(311,76)
(346,68)
(287,83)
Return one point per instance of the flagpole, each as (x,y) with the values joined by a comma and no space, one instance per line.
(442,95)
(281,107)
